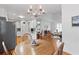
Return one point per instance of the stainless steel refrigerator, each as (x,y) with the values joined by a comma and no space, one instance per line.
(8,35)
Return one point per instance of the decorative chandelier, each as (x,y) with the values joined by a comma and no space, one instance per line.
(35,12)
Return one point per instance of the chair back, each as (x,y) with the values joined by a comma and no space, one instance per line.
(59,51)
(4,46)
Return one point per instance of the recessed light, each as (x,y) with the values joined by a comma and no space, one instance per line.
(21,16)
(38,22)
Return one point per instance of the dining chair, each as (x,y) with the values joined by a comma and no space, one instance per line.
(5,49)
(59,51)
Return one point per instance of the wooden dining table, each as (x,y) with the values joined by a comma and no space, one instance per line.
(46,45)
(42,47)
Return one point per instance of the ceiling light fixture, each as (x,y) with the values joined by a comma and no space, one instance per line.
(35,12)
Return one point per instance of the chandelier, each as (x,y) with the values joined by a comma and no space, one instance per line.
(35,12)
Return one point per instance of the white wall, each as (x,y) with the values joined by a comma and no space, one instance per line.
(3,12)
(51,20)
(70,34)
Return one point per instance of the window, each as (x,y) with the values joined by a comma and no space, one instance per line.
(59,27)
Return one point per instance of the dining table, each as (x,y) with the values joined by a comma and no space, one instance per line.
(42,47)
(45,45)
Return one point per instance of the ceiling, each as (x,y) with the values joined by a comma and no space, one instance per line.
(15,10)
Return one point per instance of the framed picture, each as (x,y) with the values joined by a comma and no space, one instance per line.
(75,21)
